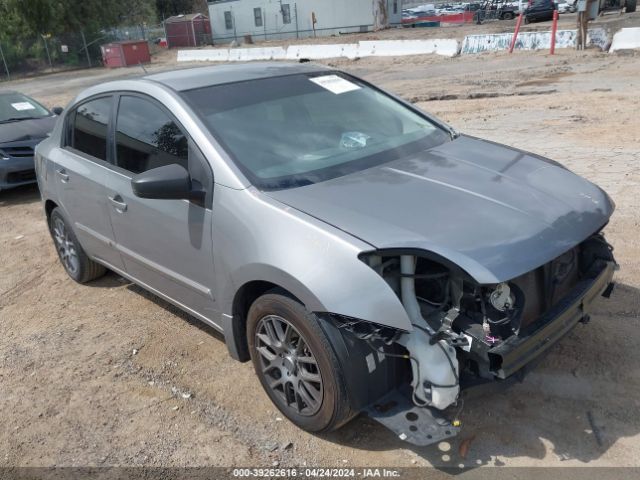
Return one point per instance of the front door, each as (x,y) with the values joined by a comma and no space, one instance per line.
(80,167)
(166,244)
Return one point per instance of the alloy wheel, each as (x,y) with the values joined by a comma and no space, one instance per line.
(288,365)
(65,246)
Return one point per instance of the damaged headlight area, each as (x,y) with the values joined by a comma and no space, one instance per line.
(465,333)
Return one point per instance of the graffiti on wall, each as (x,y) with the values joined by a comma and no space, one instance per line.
(531,41)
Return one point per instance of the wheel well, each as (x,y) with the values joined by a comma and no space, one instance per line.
(244,298)
(49,205)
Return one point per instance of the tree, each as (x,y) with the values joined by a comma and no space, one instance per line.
(168,8)
(36,15)
(380,15)
(27,18)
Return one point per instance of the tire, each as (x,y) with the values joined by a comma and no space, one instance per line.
(73,258)
(508,16)
(631,6)
(526,20)
(293,385)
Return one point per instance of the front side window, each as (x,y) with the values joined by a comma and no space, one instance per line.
(228,20)
(147,137)
(15,107)
(296,130)
(257,16)
(89,127)
(286,13)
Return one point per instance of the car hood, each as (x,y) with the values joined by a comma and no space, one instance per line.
(495,211)
(26,129)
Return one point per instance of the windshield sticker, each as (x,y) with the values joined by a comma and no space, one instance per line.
(335,84)
(23,106)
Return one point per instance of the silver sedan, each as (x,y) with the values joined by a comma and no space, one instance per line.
(364,256)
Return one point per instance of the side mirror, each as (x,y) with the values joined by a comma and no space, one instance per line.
(171,182)
(57,110)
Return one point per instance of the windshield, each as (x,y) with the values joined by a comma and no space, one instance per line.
(297,130)
(15,107)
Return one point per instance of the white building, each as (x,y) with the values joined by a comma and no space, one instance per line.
(290,19)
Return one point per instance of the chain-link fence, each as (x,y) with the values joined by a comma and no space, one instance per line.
(45,53)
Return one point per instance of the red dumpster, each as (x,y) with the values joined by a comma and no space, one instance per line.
(125,53)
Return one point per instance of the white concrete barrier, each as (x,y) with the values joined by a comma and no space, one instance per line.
(260,53)
(626,39)
(530,41)
(313,52)
(393,48)
(384,48)
(208,55)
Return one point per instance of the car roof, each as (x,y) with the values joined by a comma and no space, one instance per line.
(190,78)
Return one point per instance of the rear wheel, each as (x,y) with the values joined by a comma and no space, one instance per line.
(508,16)
(73,258)
(296,364)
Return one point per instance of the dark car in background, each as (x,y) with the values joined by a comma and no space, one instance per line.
(23,124)
(540,11)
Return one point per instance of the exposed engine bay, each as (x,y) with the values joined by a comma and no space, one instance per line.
(465,333)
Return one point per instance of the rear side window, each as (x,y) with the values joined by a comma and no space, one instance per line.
(146,137)
(89,130)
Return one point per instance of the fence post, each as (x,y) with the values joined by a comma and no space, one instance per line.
(5,63)
(164,28)
(554,30)
(84,41)
(233,20)
(46,48)
(264,22)
(515,34)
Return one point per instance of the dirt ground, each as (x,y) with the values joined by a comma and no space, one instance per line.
(95,374)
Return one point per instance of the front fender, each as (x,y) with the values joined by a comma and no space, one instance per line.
(267,241)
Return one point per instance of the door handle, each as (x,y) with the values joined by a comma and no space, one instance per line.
(118,204)
(62,173)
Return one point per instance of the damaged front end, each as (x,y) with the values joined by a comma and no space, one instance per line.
(465,333)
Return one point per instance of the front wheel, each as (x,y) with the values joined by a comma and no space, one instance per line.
(296,364)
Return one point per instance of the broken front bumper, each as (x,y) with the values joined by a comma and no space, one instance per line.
(425,426)
(517,351)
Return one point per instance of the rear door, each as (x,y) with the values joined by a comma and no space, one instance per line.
(80,167)
(165,244)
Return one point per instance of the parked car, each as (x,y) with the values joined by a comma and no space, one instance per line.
(23,123)
(361,253)
(539,11)
(564,6)
(629,6)
(494,9)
